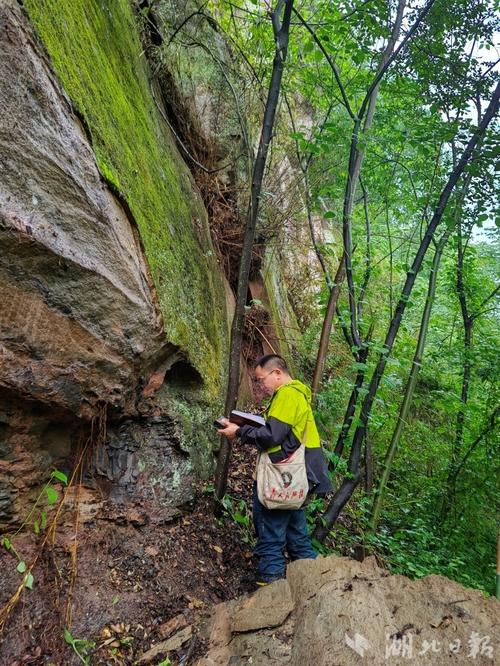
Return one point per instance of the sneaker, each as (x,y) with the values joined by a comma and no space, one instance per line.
(262,581)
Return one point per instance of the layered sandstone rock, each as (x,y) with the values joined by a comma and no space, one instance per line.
(108,281)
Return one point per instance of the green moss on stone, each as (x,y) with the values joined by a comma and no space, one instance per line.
(96,52)
(195,432)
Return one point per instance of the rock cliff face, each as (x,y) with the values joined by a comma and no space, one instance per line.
(78,316)
(108,279)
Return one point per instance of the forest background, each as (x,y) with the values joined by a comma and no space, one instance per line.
(358,237)
(388,115)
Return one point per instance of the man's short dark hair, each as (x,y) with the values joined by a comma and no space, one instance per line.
(272,361)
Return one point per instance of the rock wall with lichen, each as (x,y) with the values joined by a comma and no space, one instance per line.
(111,293)
(100,63)
(115,301)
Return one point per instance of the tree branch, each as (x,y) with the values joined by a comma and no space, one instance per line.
(396,53)
(491,425)
(333,65)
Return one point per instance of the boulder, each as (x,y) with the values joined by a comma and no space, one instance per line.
(336,611)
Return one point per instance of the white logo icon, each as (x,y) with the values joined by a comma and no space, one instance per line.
(359,643)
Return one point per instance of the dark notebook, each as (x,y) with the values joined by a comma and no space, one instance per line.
(244,418)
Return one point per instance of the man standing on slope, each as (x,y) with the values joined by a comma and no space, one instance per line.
(288,416)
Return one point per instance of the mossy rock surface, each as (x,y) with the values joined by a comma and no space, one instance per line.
(96,52)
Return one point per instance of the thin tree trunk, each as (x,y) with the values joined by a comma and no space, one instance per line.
(281,33)
(468,322)
(491,425)
(352,404)
(345,268)
(410,386)
(368,465)
(355,162)
(327,326)
(348,486)
(368,256)
(391,262)
(451,481)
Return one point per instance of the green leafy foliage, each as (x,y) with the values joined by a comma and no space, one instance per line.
(39,524)
(424,116)
(239,512)
(52,495)
(80,646)
(29,580)
(60,476)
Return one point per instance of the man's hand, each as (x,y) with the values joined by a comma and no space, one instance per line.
(230,429)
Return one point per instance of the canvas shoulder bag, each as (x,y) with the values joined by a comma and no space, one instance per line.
(283,485)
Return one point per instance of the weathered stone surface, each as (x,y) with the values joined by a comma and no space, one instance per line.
(173,643)
(143,462)
(219,637)
(108,281)
(269,607)
(135,151)
(78,316)
(348,612)
(168,628)
(34,439)
(305,577)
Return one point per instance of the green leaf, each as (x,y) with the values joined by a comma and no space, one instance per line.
(60,476)
(6,543)
(36,527)
(227,502)
(68,637)
(29,581)
(317,56)
(52,495)
(240,518)
(43,520)
(21,567)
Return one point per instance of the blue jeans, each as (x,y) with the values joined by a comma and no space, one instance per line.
(276,530)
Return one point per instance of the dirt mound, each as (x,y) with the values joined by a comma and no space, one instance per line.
(335,611)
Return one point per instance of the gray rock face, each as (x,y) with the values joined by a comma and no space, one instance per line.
(144,462)
(80,326)
(78,322)
(269,608)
